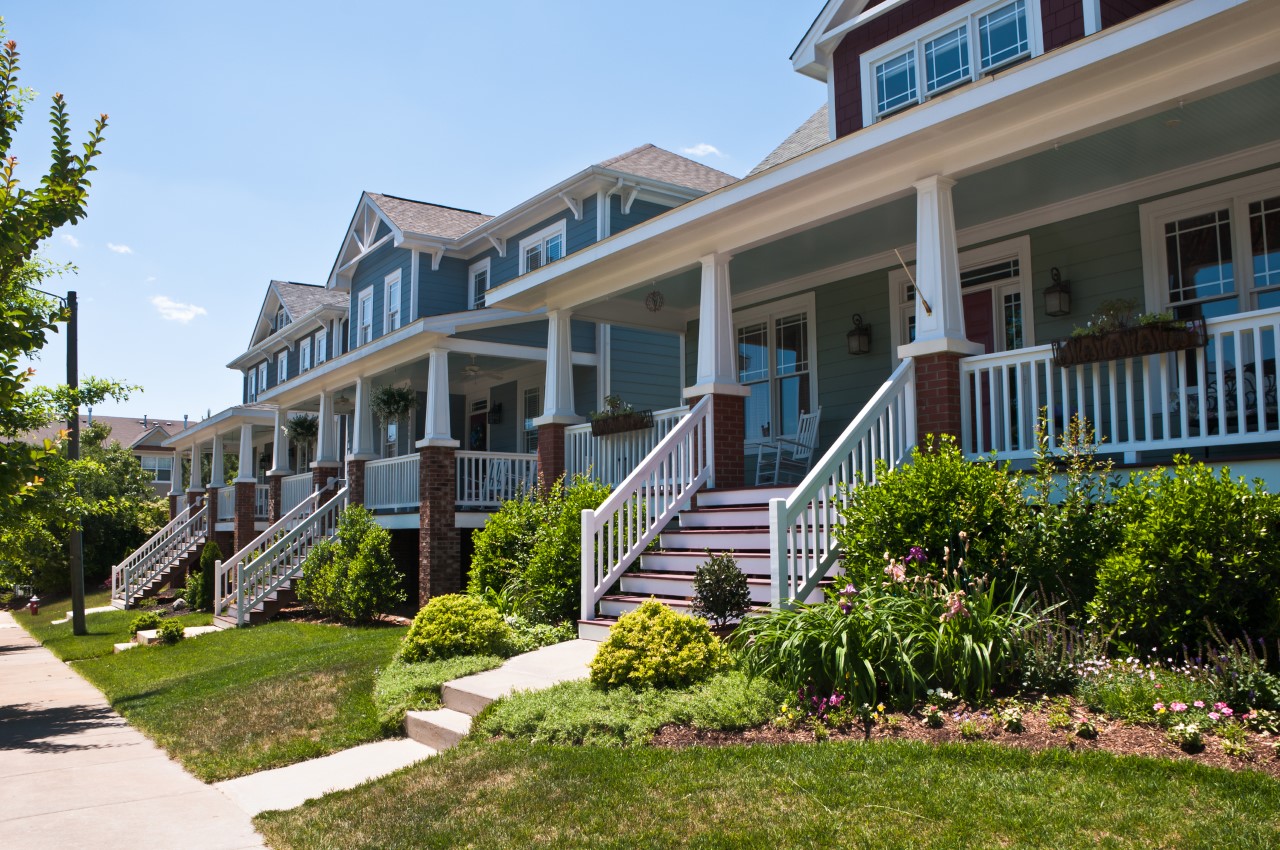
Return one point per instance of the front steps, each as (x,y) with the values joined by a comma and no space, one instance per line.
(174,577)
(263,611)
(466,697)
(722,521)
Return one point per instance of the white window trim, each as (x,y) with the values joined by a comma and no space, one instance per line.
(304,355)
(804,303)
(322,335)
(559,228)
(1019,247)
(521,389)
(1234,194)
(282,366)
(252,378)
(365,297)
(389,281)
(967,14)
(475,270)
(262,377)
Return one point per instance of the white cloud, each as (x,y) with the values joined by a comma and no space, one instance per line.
(71,240)
(150,279)
(176,311)
(119,249)
(702,149)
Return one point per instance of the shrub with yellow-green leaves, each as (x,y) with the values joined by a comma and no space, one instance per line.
(653,646)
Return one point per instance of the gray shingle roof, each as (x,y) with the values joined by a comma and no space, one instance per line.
(657,164)
(428,219)
(125,430)
(811,134)
(301,298)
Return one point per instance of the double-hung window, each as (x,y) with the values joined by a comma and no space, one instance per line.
(252,378)
(392,319)
(776,364)
(281,319)
(322,346)
(532,410)
(262,377)
(160,468)
(545,246)
(304,355)
(282,366)
(479,277)
(364,317)
(1214,251)
(976,39)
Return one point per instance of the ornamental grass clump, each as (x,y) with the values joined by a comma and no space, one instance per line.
(654,646)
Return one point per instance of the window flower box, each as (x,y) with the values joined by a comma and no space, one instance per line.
(1133,341)
(618,423)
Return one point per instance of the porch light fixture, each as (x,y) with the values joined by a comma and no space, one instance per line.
(495,415)
(860,336)
(1057,298)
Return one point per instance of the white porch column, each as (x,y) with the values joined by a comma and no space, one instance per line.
(362,445)
(175,476)
(196,485)
(557,402)
(247,473)
(939,307)
(436,428)
(327,436)
(280,450)
(717,357)
(216,473)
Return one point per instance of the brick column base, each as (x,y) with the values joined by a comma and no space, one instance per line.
(193,498)
(174,500)
(355,482)
(246,497)
(273,498)
(937,395)
(550,453)
(439,542)
(211,502)
(728,422)
(320,476)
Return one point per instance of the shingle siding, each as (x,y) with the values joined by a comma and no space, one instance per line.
(1118,11)
(1063,22)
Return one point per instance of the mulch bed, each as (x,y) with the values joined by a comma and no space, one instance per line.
(1114,736)
(300,613)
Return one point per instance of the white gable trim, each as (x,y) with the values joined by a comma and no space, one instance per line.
(361,239)
(809,57)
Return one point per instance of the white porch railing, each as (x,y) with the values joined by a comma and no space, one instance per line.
(275,556)
(1220,395)
(391,483)
(226,503)
(802,543)
(487,479)
(611,458)
(293,489)
(166,547)
(261,501)
(661,484)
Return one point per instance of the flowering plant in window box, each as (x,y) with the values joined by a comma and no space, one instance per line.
(1115,332)
(619,417)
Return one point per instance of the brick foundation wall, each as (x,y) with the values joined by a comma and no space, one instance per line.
(274,483)
(226,541)
(355,482)
(246,495)
(320,475)
(174,500)
(439,542)
(728,421)
(192,499)
(937,395)
(550,453)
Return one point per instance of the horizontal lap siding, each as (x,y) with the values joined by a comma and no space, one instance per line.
(372,272)
(584,390)
(846,382)
(503,269)
(640,211)
(581,233)
(502,435)
(445,290)
(645,368)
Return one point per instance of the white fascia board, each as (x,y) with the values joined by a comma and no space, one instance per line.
(996,118)
(294,331)
(474,320)
(219,422)
(806,58)
(831,38)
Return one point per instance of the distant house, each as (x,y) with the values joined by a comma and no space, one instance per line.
(143,437)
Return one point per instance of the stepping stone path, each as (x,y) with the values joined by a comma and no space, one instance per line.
(150,637)
(466,697)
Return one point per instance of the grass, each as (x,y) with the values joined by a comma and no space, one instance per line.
(106,628)
(577,713)
(402,687)
(238,701)
(895,794)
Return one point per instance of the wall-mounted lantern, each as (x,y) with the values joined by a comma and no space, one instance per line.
(495,414)
(860,336)
(1057,298)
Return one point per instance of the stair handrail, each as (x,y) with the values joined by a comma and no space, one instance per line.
(259,577)
(802,542)
(193,529)
(222,588)
(614,534)
(147,548)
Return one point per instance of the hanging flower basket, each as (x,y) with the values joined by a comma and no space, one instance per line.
(618,423)
(391,403)
(1126,342)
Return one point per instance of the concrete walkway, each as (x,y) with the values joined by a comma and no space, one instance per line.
(73,772)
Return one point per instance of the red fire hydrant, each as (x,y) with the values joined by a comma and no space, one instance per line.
(34,605)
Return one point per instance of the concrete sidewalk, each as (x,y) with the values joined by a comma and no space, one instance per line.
(72,771)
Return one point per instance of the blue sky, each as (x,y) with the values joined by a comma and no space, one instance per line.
(241,135)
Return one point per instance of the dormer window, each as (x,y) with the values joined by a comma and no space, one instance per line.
(545,246)
(281,321)
(936,57)
(479,277)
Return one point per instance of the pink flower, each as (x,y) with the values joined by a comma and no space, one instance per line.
(896,571)
(1226,711)
(1177,706)
(1213,715)
(1158,707)
(1198,703)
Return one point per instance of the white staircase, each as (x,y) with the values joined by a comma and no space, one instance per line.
(721,521)
(170,551)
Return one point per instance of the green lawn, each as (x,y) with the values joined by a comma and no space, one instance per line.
(509,794)
(238,701)
(106,628)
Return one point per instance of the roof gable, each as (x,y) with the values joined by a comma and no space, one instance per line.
(654,163)
(809,57)
(297,299)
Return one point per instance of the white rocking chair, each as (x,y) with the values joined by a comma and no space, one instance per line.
(788,454)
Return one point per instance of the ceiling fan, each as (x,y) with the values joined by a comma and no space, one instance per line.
(472,371)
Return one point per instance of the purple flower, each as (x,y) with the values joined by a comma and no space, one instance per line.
(849,590)
(915,554)
(846,607)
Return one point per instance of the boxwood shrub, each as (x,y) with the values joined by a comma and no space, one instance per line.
(453,625)
(654,646)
